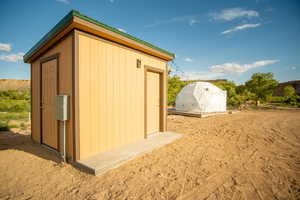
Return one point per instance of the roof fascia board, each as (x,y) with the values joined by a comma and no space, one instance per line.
(107,34)
(107,27)
(126,38)
(67,20)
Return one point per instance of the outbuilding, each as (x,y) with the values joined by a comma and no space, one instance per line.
(113,85)
(201,97)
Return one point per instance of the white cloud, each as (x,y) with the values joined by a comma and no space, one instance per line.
(12,57)
(63,1)
(189,19)
(122,30)
(200,75)
(233,13)
(5,47)
(294,68)
(241,27)
(235,68)
(193,21)
(188,60)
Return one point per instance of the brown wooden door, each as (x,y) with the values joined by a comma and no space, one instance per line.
(153,102)
(49,92)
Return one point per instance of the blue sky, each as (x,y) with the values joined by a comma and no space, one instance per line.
(211,38)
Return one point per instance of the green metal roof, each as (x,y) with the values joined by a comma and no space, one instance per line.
(67,20)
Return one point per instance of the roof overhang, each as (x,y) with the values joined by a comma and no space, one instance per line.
(75,20)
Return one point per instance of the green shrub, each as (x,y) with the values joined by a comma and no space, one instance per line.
(8,105)
(14,101)
(258,89)
(275,99)
(14,116)
(290,96)
(292,100)
(233,99)
(262,85)
(15,95)
(289,91)
(174,87)
(13,126)
(23,126)
(4,126)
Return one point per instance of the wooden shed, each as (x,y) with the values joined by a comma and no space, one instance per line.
(116,83)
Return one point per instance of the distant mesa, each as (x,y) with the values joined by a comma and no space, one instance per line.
(295,84)
(14,84)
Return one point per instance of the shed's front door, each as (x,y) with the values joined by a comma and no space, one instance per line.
(153,102)
(48,106)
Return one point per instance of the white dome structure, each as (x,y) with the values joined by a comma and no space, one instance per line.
(201,97)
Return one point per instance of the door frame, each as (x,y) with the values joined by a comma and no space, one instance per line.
(162,97)
(42,61)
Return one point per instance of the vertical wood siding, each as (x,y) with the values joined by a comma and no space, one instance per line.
(111,94)
(64,48)
(35,98)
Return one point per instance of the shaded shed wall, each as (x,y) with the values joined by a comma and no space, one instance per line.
(64,49)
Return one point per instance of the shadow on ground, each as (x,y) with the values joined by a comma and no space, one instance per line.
(21,142)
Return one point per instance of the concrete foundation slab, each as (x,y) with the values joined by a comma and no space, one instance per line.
(103,162)
(172,111)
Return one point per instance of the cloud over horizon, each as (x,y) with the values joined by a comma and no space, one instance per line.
(12,57)
(236,68)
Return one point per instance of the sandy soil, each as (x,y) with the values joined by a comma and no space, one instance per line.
(248,155)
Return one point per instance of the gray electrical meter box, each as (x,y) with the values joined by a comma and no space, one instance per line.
(62,107)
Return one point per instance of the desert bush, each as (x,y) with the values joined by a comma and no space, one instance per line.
(23,126)
(15,95)
(292,100)
(233,99)
(14,116)
(174,87)
(290,96)
(14,101)
(258,89)
(4,126)
(289,91)
(262,85)
(243,91)
(276,99)
(7,105)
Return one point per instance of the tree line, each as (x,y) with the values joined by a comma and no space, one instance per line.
(15,101)
(259,89)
